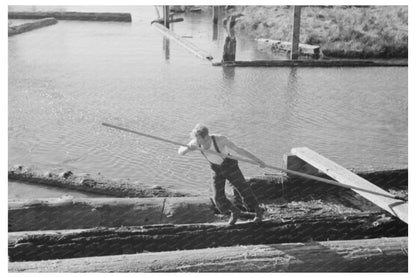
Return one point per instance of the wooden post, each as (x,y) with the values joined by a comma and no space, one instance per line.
(230,44)
(294,54)
(215,12)
(166,16)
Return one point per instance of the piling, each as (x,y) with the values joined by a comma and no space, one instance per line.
(294,54)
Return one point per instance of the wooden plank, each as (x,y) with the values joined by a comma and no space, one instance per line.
(186,44)
(363,255)
(343,175)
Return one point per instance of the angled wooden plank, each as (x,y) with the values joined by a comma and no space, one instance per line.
(395,207)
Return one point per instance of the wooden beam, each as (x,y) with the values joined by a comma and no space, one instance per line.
(186,44)
(362,255)
(395,207)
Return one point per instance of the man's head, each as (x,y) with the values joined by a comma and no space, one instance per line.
(200,132)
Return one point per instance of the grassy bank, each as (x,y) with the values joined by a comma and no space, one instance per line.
(342,32)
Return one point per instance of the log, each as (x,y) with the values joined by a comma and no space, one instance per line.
(29,26)
(368,255)
(312,63)
(87,183)
(31,246)
(83,213)
(85,16)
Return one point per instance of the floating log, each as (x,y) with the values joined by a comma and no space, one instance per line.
(373,193)
(29,26)
(82,213)
(88,183)
(311,63)
(85,16)
(186,44)
(363,255)
(30,246)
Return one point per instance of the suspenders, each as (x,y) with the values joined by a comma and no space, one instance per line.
(215,145)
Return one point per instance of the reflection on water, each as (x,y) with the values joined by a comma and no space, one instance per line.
(66,79)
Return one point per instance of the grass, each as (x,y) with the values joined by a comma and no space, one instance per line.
(341,31)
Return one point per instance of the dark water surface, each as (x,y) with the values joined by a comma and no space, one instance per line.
(66,79)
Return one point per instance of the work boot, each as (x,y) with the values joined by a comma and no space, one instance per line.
(259,215)
(234,217)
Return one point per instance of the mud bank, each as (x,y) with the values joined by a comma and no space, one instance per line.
(372,255)
(82,213)
(88,183)
(122,17)
(26,27)
(157,238)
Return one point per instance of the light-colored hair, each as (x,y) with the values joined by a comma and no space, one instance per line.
(199,130)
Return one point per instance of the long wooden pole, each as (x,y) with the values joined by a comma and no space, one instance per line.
(255,163)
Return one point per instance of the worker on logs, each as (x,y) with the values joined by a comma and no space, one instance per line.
(225,169)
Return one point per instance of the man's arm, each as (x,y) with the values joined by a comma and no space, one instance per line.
(190,147)
(243,152)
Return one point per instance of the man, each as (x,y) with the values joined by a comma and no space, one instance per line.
(225,169)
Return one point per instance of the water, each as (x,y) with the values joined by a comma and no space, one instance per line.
(66,79)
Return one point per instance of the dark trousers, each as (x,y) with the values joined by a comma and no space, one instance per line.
(230,171)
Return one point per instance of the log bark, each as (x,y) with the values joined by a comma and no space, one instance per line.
(371,255)
(157,238)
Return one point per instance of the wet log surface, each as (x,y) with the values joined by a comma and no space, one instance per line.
(156,238)
(370,255)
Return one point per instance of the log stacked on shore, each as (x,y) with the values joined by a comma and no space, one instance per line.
(29,26)
(28,246)
(363,255)
(86,16)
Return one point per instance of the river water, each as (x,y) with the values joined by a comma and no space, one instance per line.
(67,79)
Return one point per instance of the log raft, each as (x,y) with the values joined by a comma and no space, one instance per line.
(84,16)
(32,246)
(363,255)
